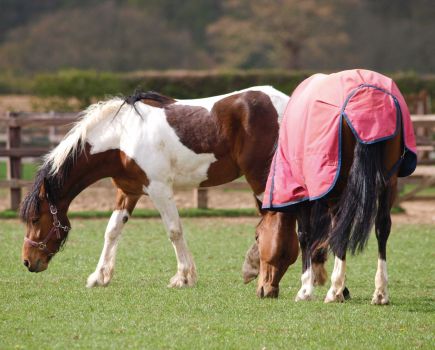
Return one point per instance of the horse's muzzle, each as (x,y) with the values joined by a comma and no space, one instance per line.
(37,267)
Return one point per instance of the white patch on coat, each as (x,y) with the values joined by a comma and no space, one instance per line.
(380,296)
(307,288)
(338,277)
(279,99)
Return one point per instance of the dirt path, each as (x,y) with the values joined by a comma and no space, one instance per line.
(102,196)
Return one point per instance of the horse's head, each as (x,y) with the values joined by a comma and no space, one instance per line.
(278,248)
(47,229)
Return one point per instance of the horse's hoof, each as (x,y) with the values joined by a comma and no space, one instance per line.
(268,291)
(346,294)
(179,281)
(380,299)
(249,275)
(99,279)
(333,297)
(303,296)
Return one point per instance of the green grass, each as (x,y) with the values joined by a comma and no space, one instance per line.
(53,309)
(152,213)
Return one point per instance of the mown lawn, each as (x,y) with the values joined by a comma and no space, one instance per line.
(53,309)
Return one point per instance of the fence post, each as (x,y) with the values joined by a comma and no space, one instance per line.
(14,163)
(200,197)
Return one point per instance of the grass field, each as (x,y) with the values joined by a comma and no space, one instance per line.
(53,309)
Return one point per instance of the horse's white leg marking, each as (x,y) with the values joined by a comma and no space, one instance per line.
(104,270)
(162,197)
(338,277)
(380,297)
(307,290)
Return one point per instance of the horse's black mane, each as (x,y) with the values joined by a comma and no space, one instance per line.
(53,183)
(148,95)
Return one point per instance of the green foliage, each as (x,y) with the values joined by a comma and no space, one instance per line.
(53,309)
(87,85)
(82,85)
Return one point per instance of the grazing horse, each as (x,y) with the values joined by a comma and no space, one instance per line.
(149,143)
(344,140)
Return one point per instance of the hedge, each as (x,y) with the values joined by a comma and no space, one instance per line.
(86,85)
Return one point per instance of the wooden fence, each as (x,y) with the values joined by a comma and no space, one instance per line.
(14,151)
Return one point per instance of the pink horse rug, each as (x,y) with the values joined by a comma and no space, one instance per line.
(308,156)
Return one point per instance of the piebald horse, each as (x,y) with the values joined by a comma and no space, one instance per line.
(344,140)
(149,143)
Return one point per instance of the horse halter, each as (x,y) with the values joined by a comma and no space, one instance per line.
(57,226)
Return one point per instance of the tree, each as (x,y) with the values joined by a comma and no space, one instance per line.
(279,33)
(106,36)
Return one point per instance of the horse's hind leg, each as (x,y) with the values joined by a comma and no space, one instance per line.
(382,229)
(125,204)
(251,265)
(162,197)
(338,291)
(318,261)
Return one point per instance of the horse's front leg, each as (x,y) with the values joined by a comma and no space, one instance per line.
(105,268)
(163,199)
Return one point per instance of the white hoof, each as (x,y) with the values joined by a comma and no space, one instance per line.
(380,298)
(180,282)
(334,297)
(304,295)
(99,278)
(183,280)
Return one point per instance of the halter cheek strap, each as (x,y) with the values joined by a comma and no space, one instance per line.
(57,226)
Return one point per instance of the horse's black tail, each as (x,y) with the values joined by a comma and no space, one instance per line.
(356,210)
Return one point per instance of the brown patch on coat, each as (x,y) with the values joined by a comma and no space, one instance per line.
(241,131)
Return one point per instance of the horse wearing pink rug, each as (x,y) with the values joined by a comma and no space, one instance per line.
(344,140)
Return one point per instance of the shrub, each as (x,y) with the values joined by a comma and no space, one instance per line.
(86,85)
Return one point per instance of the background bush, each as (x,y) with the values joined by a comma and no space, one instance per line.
(86,85)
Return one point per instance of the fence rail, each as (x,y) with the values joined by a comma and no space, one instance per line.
(424,125)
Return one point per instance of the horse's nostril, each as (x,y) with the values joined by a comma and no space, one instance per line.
(26,263)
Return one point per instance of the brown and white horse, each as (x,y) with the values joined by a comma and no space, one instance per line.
(148,144)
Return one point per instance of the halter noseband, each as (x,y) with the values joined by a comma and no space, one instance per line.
(57,226)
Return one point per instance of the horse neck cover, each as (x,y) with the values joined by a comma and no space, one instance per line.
(307,161)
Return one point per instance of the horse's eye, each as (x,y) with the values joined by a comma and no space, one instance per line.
(35,221)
